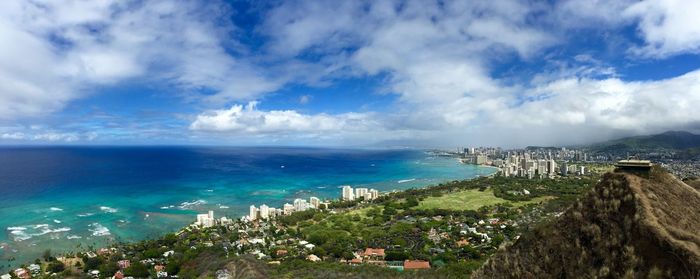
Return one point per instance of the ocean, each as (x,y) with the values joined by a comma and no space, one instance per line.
(69,198)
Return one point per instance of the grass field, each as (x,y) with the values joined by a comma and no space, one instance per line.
(469,200)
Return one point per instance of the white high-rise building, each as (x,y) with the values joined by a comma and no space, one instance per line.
(264,211)
(253,214)
(360,192)
(551,167)
(287,209)
(300,205)
(205,220)
(315,202)
(348,195)
(373,194)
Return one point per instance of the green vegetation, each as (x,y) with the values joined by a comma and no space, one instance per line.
(462,200)
(471,200)
(670,141)
(454,226)
(619,229)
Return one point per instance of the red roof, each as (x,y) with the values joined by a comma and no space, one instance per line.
(281,252)
(124,264)
(356,260)
(374,252)
(416,264)
(118,275)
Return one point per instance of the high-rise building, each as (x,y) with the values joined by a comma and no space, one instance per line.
(205,220)
(551,167)
(360,192)
(314,201)
(287,209)
(348,195)
(373,194)
(300,205)
(264,212)
(253,214)
(564,169)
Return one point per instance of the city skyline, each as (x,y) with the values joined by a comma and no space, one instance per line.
(352,74)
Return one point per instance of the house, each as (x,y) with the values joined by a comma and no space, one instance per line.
(355,261)
(416,264)
(124,264)
(22,273)
(168,253)
(281,253)
(118,275)
(159,268)
(95,273)
(161,274)
(104,252)
(462,242)
(5,276)
(374,254)
(34,269)
(313,258)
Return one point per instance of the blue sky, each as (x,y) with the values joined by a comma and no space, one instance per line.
(346,73)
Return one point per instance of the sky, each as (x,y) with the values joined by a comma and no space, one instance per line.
(346,73)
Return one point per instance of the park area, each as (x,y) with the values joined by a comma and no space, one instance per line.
(470,200)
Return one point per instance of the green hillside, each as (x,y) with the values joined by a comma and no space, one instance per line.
(672,140)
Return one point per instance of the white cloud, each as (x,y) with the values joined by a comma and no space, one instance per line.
(439,58)
(12,136)
(668,27)
(60,50)
(305,99)
(65,137)
(248,119)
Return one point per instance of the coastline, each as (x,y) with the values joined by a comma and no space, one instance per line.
(461,161)
(393,185)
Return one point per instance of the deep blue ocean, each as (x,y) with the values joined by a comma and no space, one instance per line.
(66,198)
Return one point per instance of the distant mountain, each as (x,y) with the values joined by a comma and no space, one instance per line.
(626,227)
(672,140)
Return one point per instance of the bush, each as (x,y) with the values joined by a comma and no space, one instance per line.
(138,270)
(55,267)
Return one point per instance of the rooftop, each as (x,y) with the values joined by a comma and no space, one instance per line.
(417,264)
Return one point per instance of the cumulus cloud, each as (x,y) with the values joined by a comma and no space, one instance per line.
(668,27)
(637,107)
(249,119)
(13,136)
(61,49)
(443,61)
(49,136)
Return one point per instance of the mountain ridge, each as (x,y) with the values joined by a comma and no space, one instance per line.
(670,140)
(627,226)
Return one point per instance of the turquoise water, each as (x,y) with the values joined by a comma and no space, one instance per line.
(70,197)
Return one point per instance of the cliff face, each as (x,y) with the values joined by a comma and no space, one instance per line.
(626,227)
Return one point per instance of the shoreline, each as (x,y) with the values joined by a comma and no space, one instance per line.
(113,242)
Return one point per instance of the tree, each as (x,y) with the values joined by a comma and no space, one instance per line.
(396,256)
(92,263)
(109,268)
(55,267)
(173,267)
(47,255)
(138,270)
